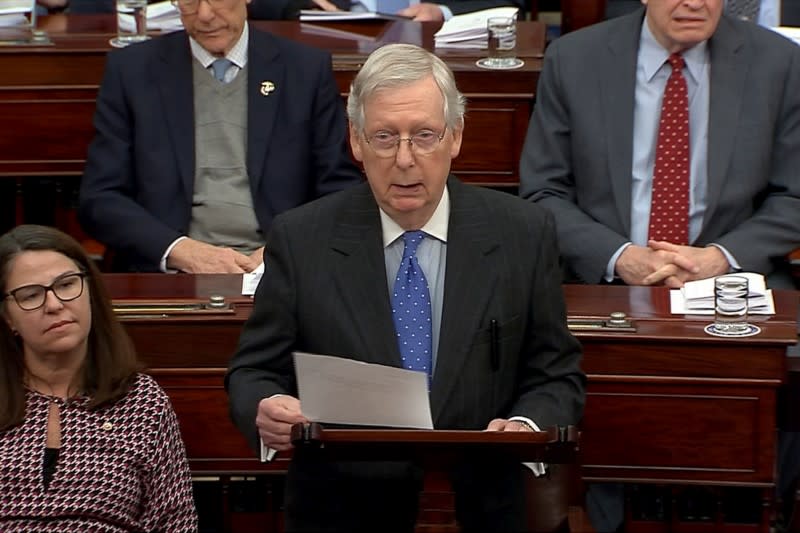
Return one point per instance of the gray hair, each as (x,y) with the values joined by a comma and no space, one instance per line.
(398,65)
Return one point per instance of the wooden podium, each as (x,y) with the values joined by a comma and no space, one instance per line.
(549,496)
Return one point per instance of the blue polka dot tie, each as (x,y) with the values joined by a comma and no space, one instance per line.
(411,309)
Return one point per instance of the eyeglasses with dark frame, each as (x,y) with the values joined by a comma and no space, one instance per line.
(190,7)
(386,144)
(66,287)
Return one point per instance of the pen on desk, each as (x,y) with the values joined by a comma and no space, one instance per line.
(495,344)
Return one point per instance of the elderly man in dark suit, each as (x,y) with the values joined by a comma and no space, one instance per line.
(335,283)
(203,136)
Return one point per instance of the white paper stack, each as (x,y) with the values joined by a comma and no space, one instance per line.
(15,12)
(161,16)
(697,297)
(468,31)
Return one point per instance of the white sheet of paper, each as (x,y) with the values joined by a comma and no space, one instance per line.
(757,305)
(343,391)
(250,280)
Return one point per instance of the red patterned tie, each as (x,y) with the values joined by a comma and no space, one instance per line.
(669,207)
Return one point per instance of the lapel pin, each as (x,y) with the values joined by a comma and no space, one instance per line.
(267,87)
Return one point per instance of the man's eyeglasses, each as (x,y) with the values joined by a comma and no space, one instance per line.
(190,7)
(66,287)
(386,144)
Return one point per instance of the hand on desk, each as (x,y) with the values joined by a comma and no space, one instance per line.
(275,418)
(709,260)
(324,5)
(423,12)
(503,424)
(195,257)
(664,263)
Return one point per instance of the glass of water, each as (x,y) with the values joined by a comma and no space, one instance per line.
(501,44)
(730,305)
(131,22)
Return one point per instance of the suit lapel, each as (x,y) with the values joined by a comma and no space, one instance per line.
(173,77)
(729,60)
(264,65)
(360,277)
(617,97)
(469,283)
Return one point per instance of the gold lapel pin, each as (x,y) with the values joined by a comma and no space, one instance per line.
(267,87)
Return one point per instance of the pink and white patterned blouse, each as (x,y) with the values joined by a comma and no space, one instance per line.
(121,468)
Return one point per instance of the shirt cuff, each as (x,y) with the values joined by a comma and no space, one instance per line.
(734,264)
(162,266)
(538,469)
(612,263)
(447,13)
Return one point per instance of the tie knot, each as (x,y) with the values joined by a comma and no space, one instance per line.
(676,61)
(412,240)
(220,67)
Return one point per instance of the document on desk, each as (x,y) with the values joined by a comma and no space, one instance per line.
(343,391)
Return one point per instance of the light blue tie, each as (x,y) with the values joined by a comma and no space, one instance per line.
(220,67)
(411,309)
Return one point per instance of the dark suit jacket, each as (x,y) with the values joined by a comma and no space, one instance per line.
(136,192)
(577,155)
(325,291)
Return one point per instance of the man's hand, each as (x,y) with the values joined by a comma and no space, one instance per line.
(325,5)
(710,260)
(197,257)
(503,424)
(423,12)
(275,419)
(257,257)
(641,265)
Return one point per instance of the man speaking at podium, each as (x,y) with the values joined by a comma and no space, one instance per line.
(413,270)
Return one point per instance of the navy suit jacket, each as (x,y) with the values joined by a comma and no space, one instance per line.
(137,187)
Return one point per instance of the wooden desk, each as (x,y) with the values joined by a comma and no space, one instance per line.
(666,403)
(46,106)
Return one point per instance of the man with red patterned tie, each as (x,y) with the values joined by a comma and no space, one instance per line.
(725,196)
(667,145)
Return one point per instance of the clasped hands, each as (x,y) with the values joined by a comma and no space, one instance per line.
(276,416)
(664,263)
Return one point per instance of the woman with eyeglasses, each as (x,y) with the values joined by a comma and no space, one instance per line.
(87,443)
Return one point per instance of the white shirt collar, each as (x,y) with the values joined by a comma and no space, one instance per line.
(652,55)
(435,227)
(237,55)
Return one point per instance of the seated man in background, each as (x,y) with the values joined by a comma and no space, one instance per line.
(483,260)
(768,13)
(203,136)
(667,145)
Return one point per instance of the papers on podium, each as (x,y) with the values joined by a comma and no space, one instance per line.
(318,15)
(468,31)
(697,297)
(161,16)
(343,391)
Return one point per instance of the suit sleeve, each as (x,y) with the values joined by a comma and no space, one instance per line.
(547,176)
(773,230)
(262,365)
(552,387)
(107,207)
(335,169)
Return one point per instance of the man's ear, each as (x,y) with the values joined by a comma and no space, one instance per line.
(355,144)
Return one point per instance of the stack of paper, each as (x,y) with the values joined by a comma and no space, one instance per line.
(697,297)
(160,16)
(15,12)
(469,30)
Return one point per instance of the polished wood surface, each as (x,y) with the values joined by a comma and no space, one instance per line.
(665,403)
(46,106)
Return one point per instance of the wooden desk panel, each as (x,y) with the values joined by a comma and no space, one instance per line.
(46,108)
(666,403)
